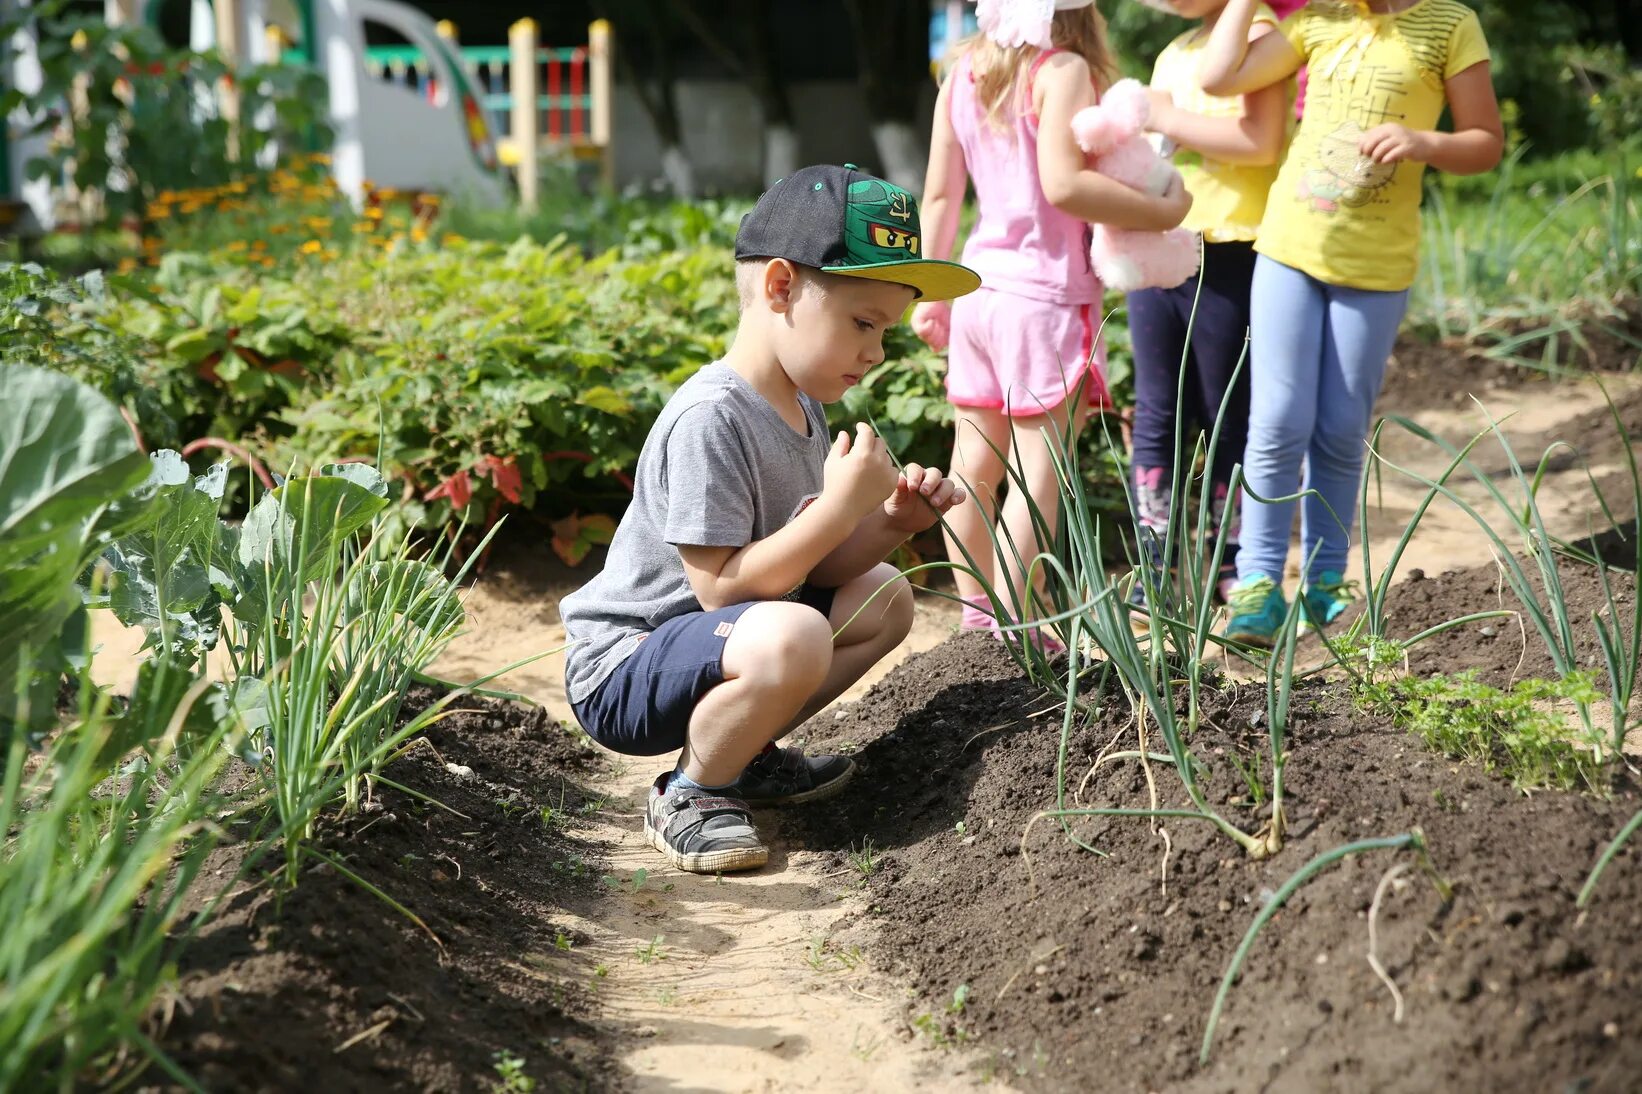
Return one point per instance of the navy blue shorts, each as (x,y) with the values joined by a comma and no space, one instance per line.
(643,708)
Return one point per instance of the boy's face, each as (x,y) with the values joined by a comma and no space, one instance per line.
(829,330)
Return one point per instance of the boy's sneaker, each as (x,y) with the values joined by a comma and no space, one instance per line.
(1257,611)
(1324,599)
(785,776)
(701,830)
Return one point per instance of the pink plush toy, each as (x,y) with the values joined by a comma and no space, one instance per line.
(1113,134)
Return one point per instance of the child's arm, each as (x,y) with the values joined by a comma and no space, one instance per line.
(922,496)
(1254,139)
(1232,65)
(1472,148)
(944,183)
(1063,86)
(857,480)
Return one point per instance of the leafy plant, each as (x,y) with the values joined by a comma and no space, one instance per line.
(66,455)
(104,841)
(1516,732)
(138,117)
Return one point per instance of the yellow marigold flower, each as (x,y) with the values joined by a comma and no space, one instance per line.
(320,157)
(235,245)
(127,265)
(318,224)
(452,239)
(429,199)
(312,247)
(419,234)
(329,254)
(259,245)
(363,227)
(373,213)
(159,212)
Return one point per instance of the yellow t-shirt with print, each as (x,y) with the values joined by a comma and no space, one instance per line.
(1332,212)
(1228,199)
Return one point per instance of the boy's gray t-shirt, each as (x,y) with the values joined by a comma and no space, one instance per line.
(720,468)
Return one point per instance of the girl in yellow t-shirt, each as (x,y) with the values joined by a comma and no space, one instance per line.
(1338,246)
(1188,340)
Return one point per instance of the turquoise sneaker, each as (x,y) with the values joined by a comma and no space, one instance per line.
(1257,610)
(1325,597)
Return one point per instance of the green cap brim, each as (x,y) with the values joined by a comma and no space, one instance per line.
(930,278)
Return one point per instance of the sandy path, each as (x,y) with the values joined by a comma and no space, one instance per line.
(737,996)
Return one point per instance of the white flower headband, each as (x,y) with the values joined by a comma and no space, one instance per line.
(1011,23)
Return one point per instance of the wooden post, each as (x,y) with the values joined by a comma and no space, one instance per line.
(232,51)
(526,121)
(600,63)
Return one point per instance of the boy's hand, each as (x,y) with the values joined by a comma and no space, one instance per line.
(932,321)
(922,496)
(858,472)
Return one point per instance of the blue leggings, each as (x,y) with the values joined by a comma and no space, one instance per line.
(1158,323)
(1318,354)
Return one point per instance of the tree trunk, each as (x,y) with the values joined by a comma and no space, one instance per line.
(748,52)
(891,51)
(651,77)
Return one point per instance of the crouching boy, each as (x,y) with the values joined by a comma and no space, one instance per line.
(729,609)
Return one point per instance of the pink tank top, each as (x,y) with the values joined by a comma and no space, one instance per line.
(1020,244)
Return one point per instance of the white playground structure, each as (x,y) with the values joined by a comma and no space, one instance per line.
(418,114)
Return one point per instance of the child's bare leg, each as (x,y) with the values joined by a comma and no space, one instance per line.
(977,464)
(774,660)
(865,639)
(1033,458)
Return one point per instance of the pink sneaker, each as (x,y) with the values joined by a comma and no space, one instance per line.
(977,614)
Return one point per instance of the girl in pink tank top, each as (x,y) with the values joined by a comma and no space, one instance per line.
(1022,348)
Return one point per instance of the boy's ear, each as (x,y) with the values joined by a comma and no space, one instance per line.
(779,283)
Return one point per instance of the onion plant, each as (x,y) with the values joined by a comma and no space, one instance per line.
(1538,582)
(332,624)
(1526,291)
(1413,840)
(104,838)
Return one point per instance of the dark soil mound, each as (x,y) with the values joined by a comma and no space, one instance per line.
(333,990)
(1101,977)
(1501,650)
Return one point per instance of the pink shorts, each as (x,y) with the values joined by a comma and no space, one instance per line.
(1023,356)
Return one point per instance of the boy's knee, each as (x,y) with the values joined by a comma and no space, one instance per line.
(898,610)
(785,643)
(890,610)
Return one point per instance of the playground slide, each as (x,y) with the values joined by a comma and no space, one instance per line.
(392,134)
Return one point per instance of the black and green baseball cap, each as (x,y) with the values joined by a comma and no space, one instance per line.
(843,221)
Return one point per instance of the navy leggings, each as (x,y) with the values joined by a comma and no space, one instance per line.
(1159,320)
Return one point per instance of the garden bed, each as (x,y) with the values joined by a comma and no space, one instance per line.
(1087,972)
(335,990)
